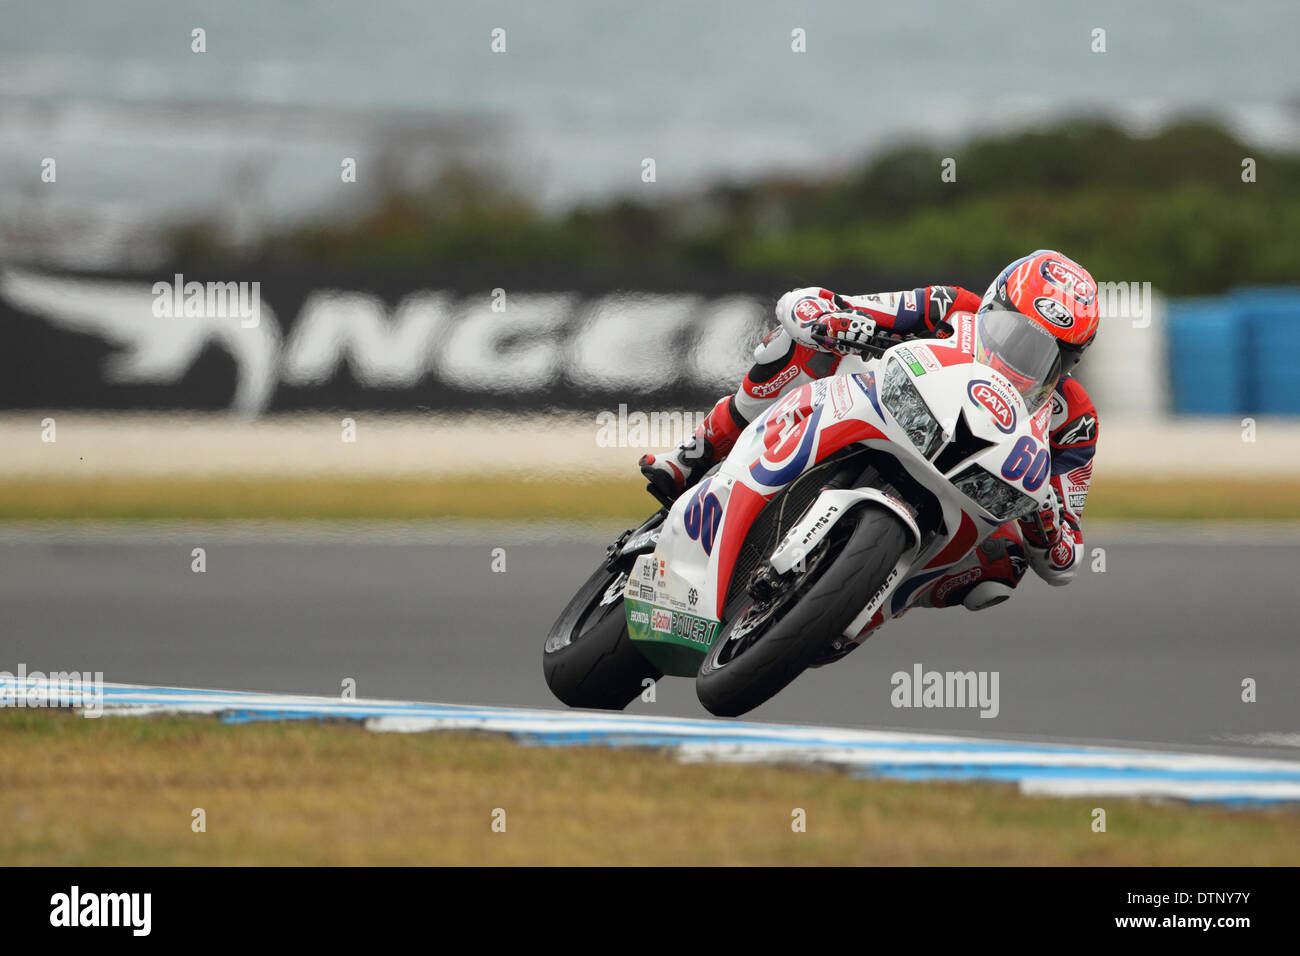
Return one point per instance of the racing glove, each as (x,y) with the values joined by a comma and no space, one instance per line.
(842,330)
(1043,530)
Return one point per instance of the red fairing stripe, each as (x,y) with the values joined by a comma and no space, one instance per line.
(744,504)
(743,507)
(946,356)
(961,543)
(835,437)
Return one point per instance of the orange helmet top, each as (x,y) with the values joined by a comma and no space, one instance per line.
(1054,292)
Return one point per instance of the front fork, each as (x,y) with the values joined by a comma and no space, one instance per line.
(634,540)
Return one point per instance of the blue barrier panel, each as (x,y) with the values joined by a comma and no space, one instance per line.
(1237,353)
(1207,374)
(1252,294)
(1273,353)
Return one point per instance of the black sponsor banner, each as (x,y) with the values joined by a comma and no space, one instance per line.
(261,338)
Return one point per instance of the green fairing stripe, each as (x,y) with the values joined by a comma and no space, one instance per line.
(674,640)
(647,622)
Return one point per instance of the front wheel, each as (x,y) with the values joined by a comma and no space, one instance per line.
(589,660)
(767,644)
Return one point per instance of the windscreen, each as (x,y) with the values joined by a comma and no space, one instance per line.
(1019,350)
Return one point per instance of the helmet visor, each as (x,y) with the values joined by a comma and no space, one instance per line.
(1016,348)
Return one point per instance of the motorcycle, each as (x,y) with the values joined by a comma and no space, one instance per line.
(831,515)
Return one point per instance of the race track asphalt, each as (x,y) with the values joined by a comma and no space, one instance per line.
(1153,650)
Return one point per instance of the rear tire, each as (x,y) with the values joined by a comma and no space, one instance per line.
(589,660)
(735,677)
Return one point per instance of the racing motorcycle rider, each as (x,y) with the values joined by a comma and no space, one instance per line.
(1048,289)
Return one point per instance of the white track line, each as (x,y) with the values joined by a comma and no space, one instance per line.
(1048,769)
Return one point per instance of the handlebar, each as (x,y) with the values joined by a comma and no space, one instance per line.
(873,347)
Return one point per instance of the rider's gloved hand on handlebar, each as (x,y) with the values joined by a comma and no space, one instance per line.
(844,330)
(1049,518)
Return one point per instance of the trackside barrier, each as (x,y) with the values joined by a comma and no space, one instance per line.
(1236,354)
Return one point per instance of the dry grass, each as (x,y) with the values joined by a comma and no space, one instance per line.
(604,499)
(121,791)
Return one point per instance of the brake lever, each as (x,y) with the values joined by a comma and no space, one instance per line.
(1042,528)
(871,347)
(1057,511)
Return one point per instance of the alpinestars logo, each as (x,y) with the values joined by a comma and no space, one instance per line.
(766,389)
(941,299)
(1018,564)
(1082,429)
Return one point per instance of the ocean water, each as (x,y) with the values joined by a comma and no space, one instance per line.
(143,130)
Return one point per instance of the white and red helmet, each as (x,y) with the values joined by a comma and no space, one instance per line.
(1056,294)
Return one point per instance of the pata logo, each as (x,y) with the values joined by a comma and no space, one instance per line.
(1004,416)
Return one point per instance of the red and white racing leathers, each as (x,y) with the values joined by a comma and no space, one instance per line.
(788,357)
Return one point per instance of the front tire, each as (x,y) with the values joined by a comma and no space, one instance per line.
(589,660)
(750,663)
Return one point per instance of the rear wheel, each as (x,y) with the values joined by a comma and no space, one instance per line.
(766,644)
(589,660)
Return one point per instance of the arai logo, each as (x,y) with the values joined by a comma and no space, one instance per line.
(1004,416)
(1053,311)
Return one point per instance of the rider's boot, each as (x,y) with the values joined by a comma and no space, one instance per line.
(985,578)
(674,472)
